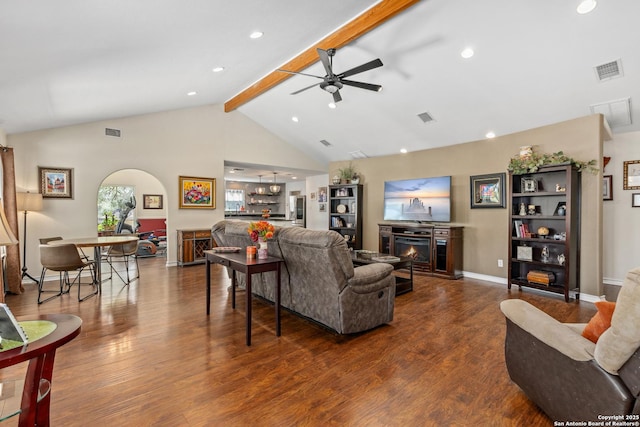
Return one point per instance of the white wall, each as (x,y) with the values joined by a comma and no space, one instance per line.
(192,142)
(317,220)
(621,222)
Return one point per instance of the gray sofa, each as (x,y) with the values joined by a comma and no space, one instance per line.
(318,280)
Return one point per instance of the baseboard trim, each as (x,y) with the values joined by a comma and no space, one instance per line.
(614,282)
(503,281)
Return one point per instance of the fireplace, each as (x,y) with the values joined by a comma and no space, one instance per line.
(417,246)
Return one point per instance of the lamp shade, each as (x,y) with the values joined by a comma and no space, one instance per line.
(29,201)
(6,235)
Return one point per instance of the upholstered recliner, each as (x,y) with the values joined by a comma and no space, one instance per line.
(318,280)
(569,377)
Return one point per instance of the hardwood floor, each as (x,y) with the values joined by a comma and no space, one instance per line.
(149,356)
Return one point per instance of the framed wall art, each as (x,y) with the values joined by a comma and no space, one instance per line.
(635,200)
(487,191)
(152,201)
(631,175)
(607,187)
(56,183)
(197,193)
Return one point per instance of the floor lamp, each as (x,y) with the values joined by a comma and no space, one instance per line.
(6,239)
(27,202)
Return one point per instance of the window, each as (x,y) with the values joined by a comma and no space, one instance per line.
(233,200)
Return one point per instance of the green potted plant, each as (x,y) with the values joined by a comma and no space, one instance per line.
(532,161)
(348,174)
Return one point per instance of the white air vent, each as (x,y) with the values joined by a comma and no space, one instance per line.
(112,132)
(358,155)
(425,117)
(325,143)
(608,71)
(617,113)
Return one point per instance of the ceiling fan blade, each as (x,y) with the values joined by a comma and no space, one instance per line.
(302,74)
(362,85)
(336,96)
(324,57)
(362,68)
(305,88)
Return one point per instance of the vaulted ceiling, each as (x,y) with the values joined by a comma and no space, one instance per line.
(78,61)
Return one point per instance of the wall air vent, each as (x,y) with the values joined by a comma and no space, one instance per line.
(358,155)
(112,132)
(617,113)
(608,71)
(425,117)
(325,143)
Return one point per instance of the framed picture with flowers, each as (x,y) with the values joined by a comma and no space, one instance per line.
(197,193)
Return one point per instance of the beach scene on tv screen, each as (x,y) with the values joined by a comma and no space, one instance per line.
(423,199)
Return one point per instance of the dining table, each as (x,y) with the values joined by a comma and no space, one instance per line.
(97,243)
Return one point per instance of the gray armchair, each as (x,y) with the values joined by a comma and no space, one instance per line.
(569,377)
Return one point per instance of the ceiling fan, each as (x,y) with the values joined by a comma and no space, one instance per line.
(332,82)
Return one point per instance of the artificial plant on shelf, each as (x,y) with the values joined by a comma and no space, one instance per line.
(532,161)
(348,173)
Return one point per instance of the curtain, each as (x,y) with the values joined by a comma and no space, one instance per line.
(13,273)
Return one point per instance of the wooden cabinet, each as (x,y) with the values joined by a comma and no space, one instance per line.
(345,212)
(192,244)
(544,230)
(436,249)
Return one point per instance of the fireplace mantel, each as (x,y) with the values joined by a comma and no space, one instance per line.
(437,248)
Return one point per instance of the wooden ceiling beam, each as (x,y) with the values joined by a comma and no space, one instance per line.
(359,26)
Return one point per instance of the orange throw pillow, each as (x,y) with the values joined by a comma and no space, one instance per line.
(600,322)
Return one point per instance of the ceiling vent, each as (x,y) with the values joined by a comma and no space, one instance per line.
(608,71)
(325,143)
(617,113)
(358,155)
(425,117)
(112,132)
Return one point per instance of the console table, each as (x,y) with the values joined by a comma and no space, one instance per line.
(435,249)
(238,262)
(36,395)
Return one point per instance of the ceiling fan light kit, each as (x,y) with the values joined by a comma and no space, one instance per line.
(332,82)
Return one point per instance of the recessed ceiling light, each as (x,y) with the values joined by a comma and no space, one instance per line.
(467,53)
(294,177)
(232,171)
(490,134)
(218,69)
(192,93)
(256,34)
(295,119)
(586,6)
(403,150)
(332,105)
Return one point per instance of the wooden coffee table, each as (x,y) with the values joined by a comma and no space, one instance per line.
(403,284)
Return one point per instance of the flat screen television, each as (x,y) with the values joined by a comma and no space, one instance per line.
(421,199)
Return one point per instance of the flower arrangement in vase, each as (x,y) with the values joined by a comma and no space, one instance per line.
(261,231)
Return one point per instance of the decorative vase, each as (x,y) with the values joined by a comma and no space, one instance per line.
(263,249)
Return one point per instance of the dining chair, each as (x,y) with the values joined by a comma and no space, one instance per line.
(122,254)
(64,258)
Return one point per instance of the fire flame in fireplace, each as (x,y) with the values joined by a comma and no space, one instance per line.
(411,252)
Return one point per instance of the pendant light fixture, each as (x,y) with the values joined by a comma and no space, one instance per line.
(275,188)
(260,189)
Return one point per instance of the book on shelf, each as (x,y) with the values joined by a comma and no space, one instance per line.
(10,329)
(517,224)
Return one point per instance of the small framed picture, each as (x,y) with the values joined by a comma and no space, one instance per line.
(635,200)
(312,196)
(487,191)
(56,183)
(607,187)
(152,201)
(631,175)
(322,207)
(197,193)
(529,185)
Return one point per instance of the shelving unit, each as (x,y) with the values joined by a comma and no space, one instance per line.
(345,212)
(536,202)
(264,199)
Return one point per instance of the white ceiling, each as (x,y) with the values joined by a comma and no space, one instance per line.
(76,61)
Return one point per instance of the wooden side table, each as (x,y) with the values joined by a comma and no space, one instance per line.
(36,395)
(238,262)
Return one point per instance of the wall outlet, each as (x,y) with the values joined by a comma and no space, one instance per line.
(500,263)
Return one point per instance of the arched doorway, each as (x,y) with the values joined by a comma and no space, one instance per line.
(147,214)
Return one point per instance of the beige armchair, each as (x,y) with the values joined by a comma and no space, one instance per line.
(569,377)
